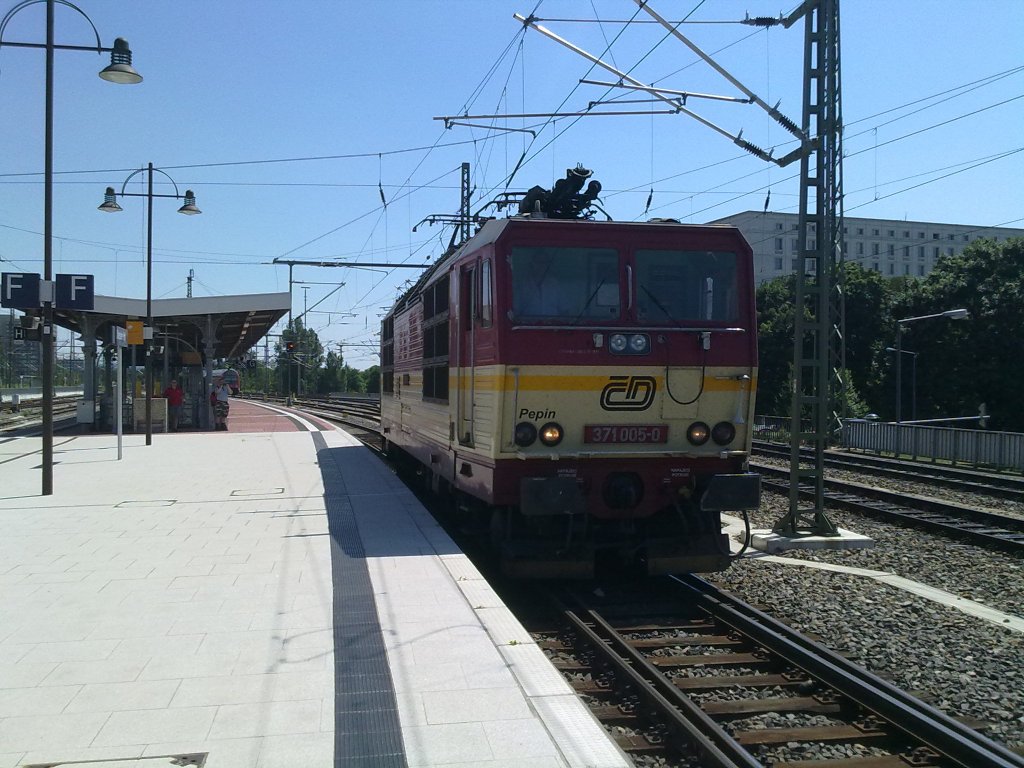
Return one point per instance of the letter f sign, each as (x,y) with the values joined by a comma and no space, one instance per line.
(19,290)
(12,282)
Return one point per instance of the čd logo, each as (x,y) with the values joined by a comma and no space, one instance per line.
(628,393)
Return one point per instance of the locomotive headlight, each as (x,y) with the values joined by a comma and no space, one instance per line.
(551,434)
(698,433)
(638,343)
(525,434)
(632,344)
(723,433)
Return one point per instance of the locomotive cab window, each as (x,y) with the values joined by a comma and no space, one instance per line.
(675,287)
(486,302)
(565,285)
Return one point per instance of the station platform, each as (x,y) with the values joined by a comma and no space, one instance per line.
(267,596)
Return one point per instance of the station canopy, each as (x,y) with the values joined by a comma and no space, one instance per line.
(237,323)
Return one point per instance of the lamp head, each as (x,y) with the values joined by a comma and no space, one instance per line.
(956,314)
(120,69)
(110,202)
(189,208)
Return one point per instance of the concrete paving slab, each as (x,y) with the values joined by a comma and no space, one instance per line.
(768,541)
(182,599)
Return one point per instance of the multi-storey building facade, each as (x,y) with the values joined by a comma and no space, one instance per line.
(891,247)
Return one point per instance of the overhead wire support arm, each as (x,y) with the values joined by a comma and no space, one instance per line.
(296,263)
(675,103)
(684,95)
(445,218)
(563,114)
(449,122)
(777,116)
(806,7)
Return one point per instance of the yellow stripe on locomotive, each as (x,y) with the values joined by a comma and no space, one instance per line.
(577,400)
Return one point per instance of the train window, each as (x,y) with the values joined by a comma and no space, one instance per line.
(435,299)
(428,303)
(468,298)
(565,284)
(486,293)
(686,286)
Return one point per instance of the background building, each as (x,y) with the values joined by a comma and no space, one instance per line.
(20,361)
(891,247)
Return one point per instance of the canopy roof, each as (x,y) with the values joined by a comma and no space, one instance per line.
(237,323)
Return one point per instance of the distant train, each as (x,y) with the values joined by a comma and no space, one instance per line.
(231,377)
(583,390)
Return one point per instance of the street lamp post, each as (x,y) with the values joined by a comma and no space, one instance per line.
(913,381)
(189,209)
(951,314)
(119,71)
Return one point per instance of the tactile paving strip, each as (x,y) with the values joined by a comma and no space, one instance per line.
(367,730)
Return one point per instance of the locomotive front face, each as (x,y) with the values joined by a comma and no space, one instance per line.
(637,379)
(586,386)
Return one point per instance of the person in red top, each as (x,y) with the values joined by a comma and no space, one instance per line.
(175,397)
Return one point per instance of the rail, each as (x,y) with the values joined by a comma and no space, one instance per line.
(981,527)
(636,658)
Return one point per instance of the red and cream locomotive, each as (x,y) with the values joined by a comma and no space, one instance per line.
(584,389)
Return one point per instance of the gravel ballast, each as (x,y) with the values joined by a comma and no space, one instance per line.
(966,666)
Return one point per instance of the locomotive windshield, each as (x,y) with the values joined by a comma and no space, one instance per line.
(565,284)
(670,287)
(686,286)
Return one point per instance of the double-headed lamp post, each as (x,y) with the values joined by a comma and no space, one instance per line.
(189,208)
(119,71)
(950,314)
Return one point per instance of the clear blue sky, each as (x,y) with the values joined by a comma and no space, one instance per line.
(288,118)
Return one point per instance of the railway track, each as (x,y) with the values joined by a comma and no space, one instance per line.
(1003,486)
(692,676)
(29,418)
(980,526)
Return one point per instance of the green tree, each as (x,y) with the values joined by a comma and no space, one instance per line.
(372,377)
(868,316)
(776,322)
(869,299)
(332,377)
(979,360)
(303,364)
(354,380)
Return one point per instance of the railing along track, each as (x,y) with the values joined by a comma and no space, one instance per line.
(1004,486)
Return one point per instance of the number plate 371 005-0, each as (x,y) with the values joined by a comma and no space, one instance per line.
(625,433)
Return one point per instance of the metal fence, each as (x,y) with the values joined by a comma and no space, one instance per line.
(974,447)
(979,448)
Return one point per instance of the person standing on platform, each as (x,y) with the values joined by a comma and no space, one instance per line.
(219,398)
(175,398)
